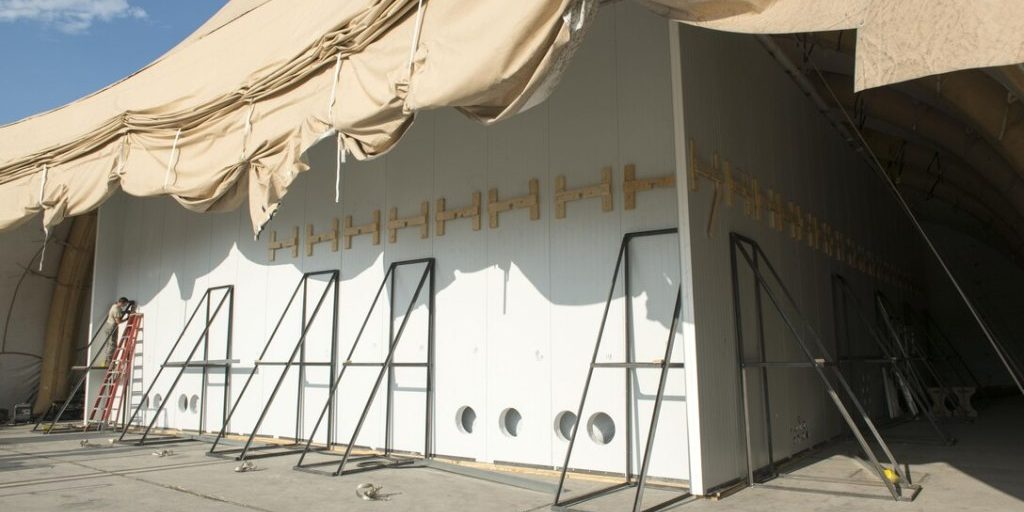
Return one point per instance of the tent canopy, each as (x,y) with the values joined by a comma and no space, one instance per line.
(228,113)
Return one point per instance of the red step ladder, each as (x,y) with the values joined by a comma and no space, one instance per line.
(118,375)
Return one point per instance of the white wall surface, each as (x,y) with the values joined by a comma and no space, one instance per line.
(739,103)
(517,307)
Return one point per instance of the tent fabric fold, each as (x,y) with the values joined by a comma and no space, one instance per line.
(225,117)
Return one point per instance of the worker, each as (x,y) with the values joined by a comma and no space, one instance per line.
(114,316)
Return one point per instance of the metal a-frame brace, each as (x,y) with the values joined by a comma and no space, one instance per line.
(91,366)
(630,366)
(961,369)
(386,370)
(895,478)
(915,391)
(912,353)
(331,289)
(227,296)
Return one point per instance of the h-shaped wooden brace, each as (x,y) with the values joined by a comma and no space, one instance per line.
(602,190)
(531,201)
(796,221)
(720,174)
(470,212)
(422,220)
(327,236)
(631,185)
(372,228)
(275,245)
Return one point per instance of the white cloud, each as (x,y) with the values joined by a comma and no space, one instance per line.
(70,16)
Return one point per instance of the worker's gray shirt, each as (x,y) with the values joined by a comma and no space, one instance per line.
(114,315)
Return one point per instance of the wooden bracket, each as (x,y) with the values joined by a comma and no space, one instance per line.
(470,212)
(422,220)
(603,190)
(328,236)
(531,201)
(776,218)
(812,232)
(796,221)
(275,245)
(372,228)
(631,185)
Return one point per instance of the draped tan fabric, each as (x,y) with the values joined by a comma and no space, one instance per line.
(226,115)
(897,40)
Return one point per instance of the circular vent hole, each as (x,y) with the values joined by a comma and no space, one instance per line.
(564,423)
(182,403)
(157,401)
(601,428)
(193,403)
(465,418)
(509,422)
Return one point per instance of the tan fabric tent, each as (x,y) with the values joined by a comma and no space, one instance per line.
(228,113)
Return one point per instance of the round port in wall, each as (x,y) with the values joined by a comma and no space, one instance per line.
(564,423)
(157,401)
(193,403)
(465,418)
(601,428)
(509,421)
(182,403)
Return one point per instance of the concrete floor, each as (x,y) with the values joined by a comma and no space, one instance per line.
(983,472)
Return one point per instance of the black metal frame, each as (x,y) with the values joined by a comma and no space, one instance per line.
(755,258)
(300,351)
(842,297)
(907,347)
(91,366)
(630,366)
(386,368)
(930,325)
(228,296)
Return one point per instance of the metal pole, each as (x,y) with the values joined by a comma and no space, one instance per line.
(828,385)
(284,373)
(1000,350)
(81,380)
(252,373)
(178,377)
(627,294)
(337,380)
(388,388)
(428,448)
(645,465)
(590,372)
(380,376)
(227,354)
(206,357)
(766,405)
(300,385)
(738,328)
(335,279)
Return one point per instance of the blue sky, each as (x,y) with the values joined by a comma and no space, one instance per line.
(55,51)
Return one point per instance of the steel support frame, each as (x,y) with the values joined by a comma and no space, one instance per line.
(841,292)
(90,366)
(299,351)
(756,259)
(907,347)
(386,371)
(630,366)
(227,296)
(930,326)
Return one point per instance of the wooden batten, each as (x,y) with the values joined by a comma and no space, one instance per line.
(371,228)
(275,245)
(631,185)
(443,216)
(421,221)
(329,236)
(602,190)
(530,201)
